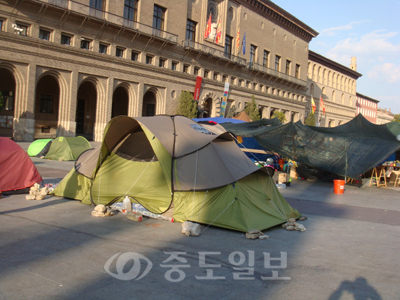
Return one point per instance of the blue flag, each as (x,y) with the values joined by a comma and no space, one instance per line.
(244,43)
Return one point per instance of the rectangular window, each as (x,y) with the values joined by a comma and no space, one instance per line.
(185,68)
(149,59)
(228,46)
(46,104)
(134,56)
(161,63)
(288,64)
(65,40)
(85,44)
(21,29)
(96,8)
(1,25)
(97,4)
(44,34)
(196,71)
(277,62)
(215,76)
(266,59)
(158,17)
(233,80)
(174,66)
(224,78)
(253,53)
(103,48)
(297,75)
(119,52)
(130,10)
(191,30)
(206,73)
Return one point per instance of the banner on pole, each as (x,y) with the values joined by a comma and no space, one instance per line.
(197,88)
(224,100)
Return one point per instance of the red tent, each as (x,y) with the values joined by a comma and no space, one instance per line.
(17,170)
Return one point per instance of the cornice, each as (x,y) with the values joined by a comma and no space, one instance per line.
(272,12)
(367,98)
(318,58)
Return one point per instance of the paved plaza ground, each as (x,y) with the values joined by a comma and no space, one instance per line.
(55,249)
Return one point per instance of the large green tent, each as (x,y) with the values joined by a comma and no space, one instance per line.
(67,148)
(37,146)
(172,162)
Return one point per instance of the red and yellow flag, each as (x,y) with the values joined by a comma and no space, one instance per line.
(219,33)
(313,104)
(322,105)
(238,39)
(208,28)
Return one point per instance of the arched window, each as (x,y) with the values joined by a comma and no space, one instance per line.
(330,79)
(315,75)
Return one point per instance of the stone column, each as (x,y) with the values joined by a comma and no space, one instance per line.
(103,106)
(139,104)
(68,100)
(24,108)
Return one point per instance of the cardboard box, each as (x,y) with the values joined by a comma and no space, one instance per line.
(283,177)
(293,173)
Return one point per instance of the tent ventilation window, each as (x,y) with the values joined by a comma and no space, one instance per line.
(136,147)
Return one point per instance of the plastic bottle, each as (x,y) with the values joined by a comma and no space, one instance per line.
(134,216)
(126,205)
(281,186)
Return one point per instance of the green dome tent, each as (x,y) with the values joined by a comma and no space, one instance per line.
(165,162)
(37,147)
(67,148)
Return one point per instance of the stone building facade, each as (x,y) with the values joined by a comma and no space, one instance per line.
(67,67)
(336,85)
(384,116)
(367,106)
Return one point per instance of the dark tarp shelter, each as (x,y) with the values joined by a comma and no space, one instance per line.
(348,150)
(247,142)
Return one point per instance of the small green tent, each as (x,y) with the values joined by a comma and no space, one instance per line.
(67,148)
(37,146)
(172,162)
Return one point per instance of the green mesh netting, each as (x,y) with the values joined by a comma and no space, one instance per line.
(347,150)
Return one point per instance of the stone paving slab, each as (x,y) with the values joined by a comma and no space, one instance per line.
(54,249)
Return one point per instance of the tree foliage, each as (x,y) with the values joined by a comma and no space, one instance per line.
(187,106)
(280,115)
(396,118)
(252,110)
(231,112)
(310,121)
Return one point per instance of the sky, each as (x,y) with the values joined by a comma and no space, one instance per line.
(368,30)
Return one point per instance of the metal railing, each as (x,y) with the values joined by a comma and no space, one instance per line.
(112,18)
(260,68)
(214,52)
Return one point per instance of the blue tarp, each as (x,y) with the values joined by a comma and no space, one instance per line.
(248,142)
